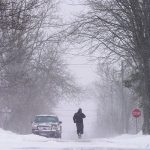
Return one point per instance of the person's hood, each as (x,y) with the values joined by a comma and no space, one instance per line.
(79,110)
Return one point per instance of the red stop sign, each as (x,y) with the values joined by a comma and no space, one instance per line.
(136,113)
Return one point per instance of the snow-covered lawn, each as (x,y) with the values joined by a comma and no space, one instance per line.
(12,141)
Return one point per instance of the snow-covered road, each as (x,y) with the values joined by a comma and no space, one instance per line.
(12,141)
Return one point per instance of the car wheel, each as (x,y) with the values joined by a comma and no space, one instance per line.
(58,136)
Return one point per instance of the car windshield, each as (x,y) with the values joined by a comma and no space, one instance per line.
(39,119)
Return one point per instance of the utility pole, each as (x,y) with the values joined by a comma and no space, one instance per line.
(112,109)
(124,103)
(5,113)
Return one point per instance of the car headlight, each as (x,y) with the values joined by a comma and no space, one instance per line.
(54,127)
(34,126)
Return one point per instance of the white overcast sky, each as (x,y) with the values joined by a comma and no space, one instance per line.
(84,74)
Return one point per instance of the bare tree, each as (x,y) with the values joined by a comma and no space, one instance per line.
(122,27)
(32,74)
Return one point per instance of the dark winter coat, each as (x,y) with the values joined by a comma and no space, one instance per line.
(78,119)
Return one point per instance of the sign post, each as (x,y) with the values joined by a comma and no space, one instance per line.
(136,113)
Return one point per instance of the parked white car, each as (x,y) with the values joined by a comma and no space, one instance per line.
(47,125)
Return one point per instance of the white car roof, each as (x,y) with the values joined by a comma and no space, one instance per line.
(47,115)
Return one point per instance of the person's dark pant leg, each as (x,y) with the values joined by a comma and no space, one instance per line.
(79,128)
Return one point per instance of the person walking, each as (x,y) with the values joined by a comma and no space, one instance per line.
(78,119)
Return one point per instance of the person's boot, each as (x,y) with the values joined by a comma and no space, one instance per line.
(79,135)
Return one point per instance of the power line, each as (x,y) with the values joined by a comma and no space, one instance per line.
(81,64)
(82,55)
(91,110)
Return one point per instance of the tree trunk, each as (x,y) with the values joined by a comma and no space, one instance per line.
(146,101)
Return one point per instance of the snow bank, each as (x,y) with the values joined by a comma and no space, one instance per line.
(9,141)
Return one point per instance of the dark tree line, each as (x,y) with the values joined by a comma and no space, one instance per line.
(32,74)
(120,30)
